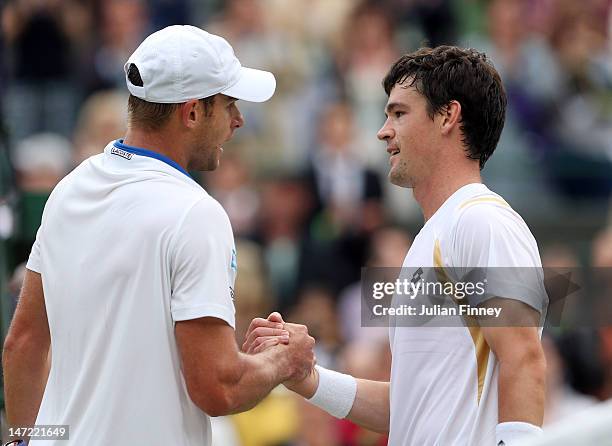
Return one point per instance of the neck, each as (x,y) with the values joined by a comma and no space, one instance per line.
(157,142)
(432,193)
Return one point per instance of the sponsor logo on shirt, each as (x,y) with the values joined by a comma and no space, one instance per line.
(121,153)
(234,262)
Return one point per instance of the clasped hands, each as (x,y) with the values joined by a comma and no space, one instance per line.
(274,332)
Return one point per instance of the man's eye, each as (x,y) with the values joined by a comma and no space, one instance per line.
(398,114)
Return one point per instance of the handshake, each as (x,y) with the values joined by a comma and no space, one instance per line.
(294,350)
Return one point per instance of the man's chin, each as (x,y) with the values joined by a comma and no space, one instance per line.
(206,166)
(212,165)
(399,180)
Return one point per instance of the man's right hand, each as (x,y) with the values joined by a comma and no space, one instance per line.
(266,333)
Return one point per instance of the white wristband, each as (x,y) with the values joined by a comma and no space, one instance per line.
(335,393)
(510,433)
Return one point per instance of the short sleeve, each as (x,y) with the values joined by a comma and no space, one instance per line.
(493,242)
(203,265)
(34,262)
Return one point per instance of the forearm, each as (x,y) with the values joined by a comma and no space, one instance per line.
(26,369)
(521,390)
(259,375)
(371,406)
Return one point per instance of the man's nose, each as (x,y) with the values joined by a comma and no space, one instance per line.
(385,132)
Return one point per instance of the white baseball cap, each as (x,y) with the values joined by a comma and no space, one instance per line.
(183,62)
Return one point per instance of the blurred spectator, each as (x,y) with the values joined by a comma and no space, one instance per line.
(367,359)
(123,25)
(388,247)
(533,81)
(315,308)
(253,295)
(274,421)
(347,194)
(436,19)
(363,61)
(584,124)
(559,255)
(606,344)
(285,204)
(562,402)
(40,162)
(316,427)
(348,203)
(273,142)
(601,252)
(562,272)
(169,12)
(317,22)
(231,184)
(580,350)
(7,192)
(42,38)
(101,119)
(601,286)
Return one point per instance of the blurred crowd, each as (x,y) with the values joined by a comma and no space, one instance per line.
(304,182)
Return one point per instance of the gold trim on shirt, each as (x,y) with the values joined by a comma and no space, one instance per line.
(481,347)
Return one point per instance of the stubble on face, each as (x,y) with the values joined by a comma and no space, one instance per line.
(205,155)
(399,174)
(412,133)
(205,150)
(217,128)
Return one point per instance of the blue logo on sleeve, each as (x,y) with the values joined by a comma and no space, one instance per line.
(234,263)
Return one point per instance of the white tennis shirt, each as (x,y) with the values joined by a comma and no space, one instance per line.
(444,378)
(128,245)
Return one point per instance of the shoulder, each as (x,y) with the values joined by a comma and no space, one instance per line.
(203,232)
(486,213)
(67,186)
(487,231)
(207,208)
(205,214)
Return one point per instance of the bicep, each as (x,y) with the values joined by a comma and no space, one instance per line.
(30,318)
(209,354)
(515,334)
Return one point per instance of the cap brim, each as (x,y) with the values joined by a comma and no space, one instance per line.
(253,86)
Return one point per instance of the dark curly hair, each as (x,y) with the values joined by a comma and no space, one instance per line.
(448,73)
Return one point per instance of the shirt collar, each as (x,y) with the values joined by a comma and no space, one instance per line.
(151,154)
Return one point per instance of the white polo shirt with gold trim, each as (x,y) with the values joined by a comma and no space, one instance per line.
(444,378)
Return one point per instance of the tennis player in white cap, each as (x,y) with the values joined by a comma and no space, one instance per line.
(129,288)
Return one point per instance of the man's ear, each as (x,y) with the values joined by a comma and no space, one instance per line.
(451,117)
(190,112)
